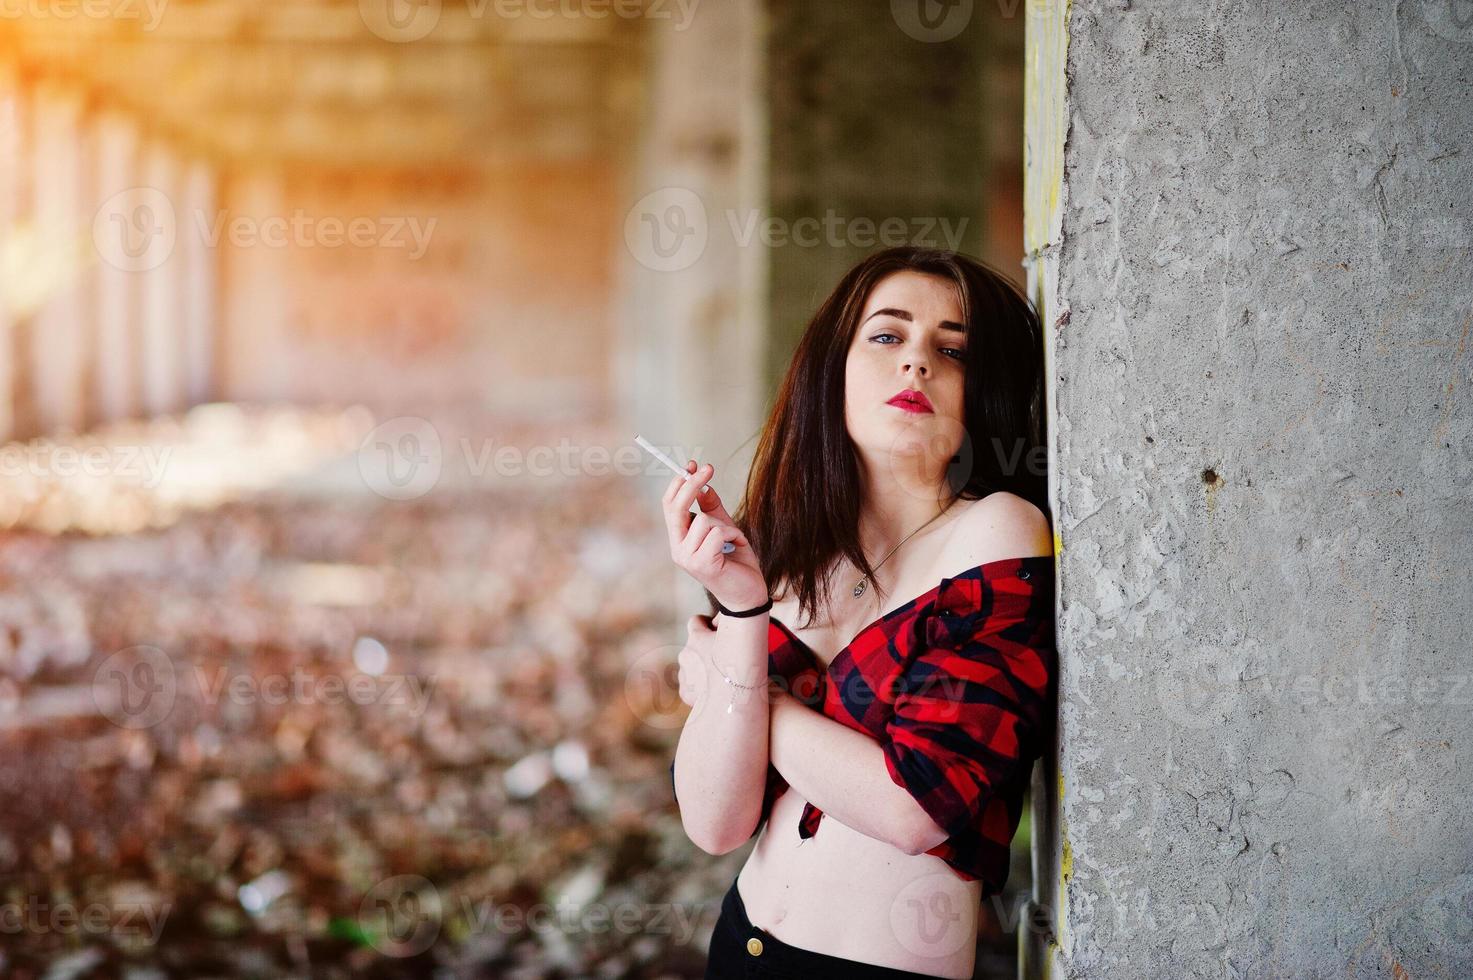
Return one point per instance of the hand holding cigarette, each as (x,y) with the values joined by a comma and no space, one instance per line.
(708,545)
(726,548)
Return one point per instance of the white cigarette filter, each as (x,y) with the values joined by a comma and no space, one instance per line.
(727,547)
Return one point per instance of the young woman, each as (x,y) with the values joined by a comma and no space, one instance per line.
(881,710)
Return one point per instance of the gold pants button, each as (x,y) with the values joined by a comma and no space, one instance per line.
(754,946)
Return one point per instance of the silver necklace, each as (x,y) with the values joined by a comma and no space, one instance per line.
(863,582)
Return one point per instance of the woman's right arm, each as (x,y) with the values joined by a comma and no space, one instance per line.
(721,762)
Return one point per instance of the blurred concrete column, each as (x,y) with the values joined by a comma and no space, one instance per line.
(254,359)
(162,364)
(10,169)
(880,137)
(199,306)
(115,293)
(693,323)
(57,328)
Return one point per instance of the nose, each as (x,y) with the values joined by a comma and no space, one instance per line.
(916,361)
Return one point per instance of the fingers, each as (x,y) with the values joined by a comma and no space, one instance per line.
(703,543)
(686,494)
(690,533)
(677,525)
(676,503)
(710,503)
(709,500)
(683,550)
(690,677)
(709,550)
(677,517)
(676,482)
(682,675)
(692,671)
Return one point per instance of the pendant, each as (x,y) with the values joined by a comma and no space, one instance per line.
(859,587)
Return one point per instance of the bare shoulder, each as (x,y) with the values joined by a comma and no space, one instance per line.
(1000,525)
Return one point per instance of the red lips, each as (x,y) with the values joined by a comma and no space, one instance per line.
(911,400)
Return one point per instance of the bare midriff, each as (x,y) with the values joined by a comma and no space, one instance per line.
(845,894)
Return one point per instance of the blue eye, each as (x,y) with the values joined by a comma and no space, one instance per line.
(952,352)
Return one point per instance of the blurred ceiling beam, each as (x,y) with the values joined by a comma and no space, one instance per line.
(308,82)
(202,80)
(329,21)
(398,137)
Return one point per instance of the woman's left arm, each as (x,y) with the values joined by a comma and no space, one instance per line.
(842,772)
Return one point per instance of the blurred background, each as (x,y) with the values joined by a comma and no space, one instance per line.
(337,626)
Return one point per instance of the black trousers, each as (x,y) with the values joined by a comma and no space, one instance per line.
(732,955)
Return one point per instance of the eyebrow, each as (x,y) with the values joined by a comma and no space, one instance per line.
(946,325)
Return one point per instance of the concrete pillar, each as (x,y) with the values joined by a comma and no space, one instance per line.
(116,292)
(693,320)
(162,363)
(57,328)
(255,358)
(198,280)
(1253,251)
(879,136)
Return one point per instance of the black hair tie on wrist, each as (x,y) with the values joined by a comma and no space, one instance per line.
(759,610)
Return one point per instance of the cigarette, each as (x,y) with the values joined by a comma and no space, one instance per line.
(679,470)
(727,547)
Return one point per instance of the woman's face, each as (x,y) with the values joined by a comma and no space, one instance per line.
(911,338)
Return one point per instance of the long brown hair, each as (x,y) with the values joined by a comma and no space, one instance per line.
(801,506)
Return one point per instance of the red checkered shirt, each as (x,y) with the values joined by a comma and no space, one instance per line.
(957,686)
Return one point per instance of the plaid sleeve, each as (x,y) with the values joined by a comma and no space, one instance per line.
(970,708)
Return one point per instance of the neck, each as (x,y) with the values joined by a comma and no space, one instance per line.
(896,503)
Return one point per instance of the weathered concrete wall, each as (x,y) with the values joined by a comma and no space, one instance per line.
(1260,292)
